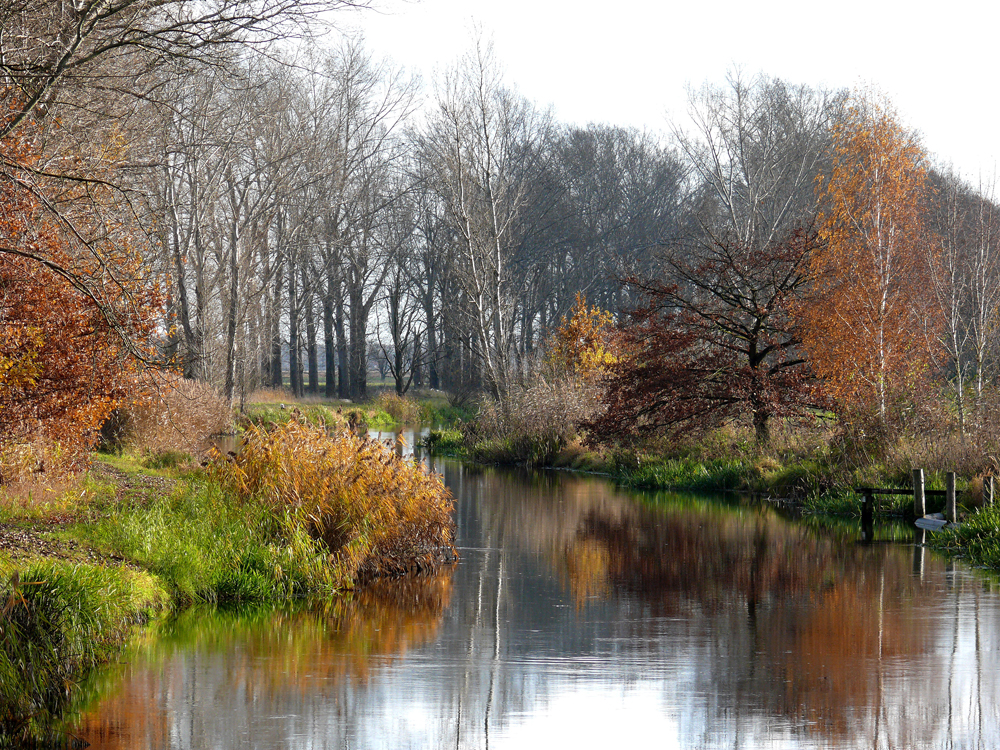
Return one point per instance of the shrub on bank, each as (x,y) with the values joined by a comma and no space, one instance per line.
(374,512)
(175,415)
(403,410)
(532,424)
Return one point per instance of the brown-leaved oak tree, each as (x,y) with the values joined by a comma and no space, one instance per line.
(65,356)
(719,343)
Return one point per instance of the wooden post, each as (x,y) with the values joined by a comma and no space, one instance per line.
(868,516)
(950,510)
(919,506)
(988,491)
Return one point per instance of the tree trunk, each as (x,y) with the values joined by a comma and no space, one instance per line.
(275,378)
(231,316)
(418,367)
(329,347)
(311,350)
(294,356)
(343,371)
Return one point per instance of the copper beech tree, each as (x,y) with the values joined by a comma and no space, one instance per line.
(870,322)
(719,343)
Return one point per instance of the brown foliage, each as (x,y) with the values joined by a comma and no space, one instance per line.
(718,344)
(66,349)
(377,513)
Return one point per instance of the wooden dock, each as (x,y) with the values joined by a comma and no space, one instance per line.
(924,520)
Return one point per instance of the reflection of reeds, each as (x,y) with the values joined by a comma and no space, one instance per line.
(271,655)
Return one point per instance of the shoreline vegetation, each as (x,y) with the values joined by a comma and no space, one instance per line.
(306,509)
(813,468)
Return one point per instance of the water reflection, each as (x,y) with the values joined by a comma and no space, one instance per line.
(580,616)
(403,441)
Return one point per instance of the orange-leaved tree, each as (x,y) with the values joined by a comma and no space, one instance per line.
(867,325)
(67,348)
(585,343)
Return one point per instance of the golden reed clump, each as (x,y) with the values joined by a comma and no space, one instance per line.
(377,514)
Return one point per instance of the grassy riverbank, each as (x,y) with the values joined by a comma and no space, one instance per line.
(297,513)
(817,470)
(386,411)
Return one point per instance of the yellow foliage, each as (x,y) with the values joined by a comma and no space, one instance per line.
(20,369)
(584,345)
(377,513)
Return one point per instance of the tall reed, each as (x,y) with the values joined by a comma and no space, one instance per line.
(376,513)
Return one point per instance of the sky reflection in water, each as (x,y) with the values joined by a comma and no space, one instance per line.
(581,617)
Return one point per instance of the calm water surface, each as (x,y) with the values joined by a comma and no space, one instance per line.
(587,617)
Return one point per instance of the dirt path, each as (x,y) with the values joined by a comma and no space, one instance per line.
(37,537)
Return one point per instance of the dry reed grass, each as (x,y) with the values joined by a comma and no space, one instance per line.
(534,423)
(176,415)
(376,513)
(402,409)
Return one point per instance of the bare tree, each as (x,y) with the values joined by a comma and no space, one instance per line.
(756,147)
(965,276)
(484,145)
(50,48)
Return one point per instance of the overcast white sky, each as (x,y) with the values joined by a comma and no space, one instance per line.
(628,63)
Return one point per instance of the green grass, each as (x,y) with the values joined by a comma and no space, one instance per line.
(59,620)
(330,415)
(206,546)
(644,472)
(976,539)
(169,459)
(446,415)
(444,442)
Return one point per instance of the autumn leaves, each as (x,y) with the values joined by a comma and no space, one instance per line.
(64,359)
(833,310)
(869,325)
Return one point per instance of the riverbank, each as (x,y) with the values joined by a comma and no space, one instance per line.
(298,513)
(809,476)
(812,478)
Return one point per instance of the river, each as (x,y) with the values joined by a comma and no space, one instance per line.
(584,616)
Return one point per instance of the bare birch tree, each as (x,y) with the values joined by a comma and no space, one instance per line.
(485,146)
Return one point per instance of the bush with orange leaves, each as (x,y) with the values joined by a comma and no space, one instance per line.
(377,513)
(585,344)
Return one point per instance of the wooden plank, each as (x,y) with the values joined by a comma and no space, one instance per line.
(931,524)
(877,491)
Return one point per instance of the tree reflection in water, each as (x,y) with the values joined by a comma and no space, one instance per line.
(578,611)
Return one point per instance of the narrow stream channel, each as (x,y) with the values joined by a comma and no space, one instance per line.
(584,616)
